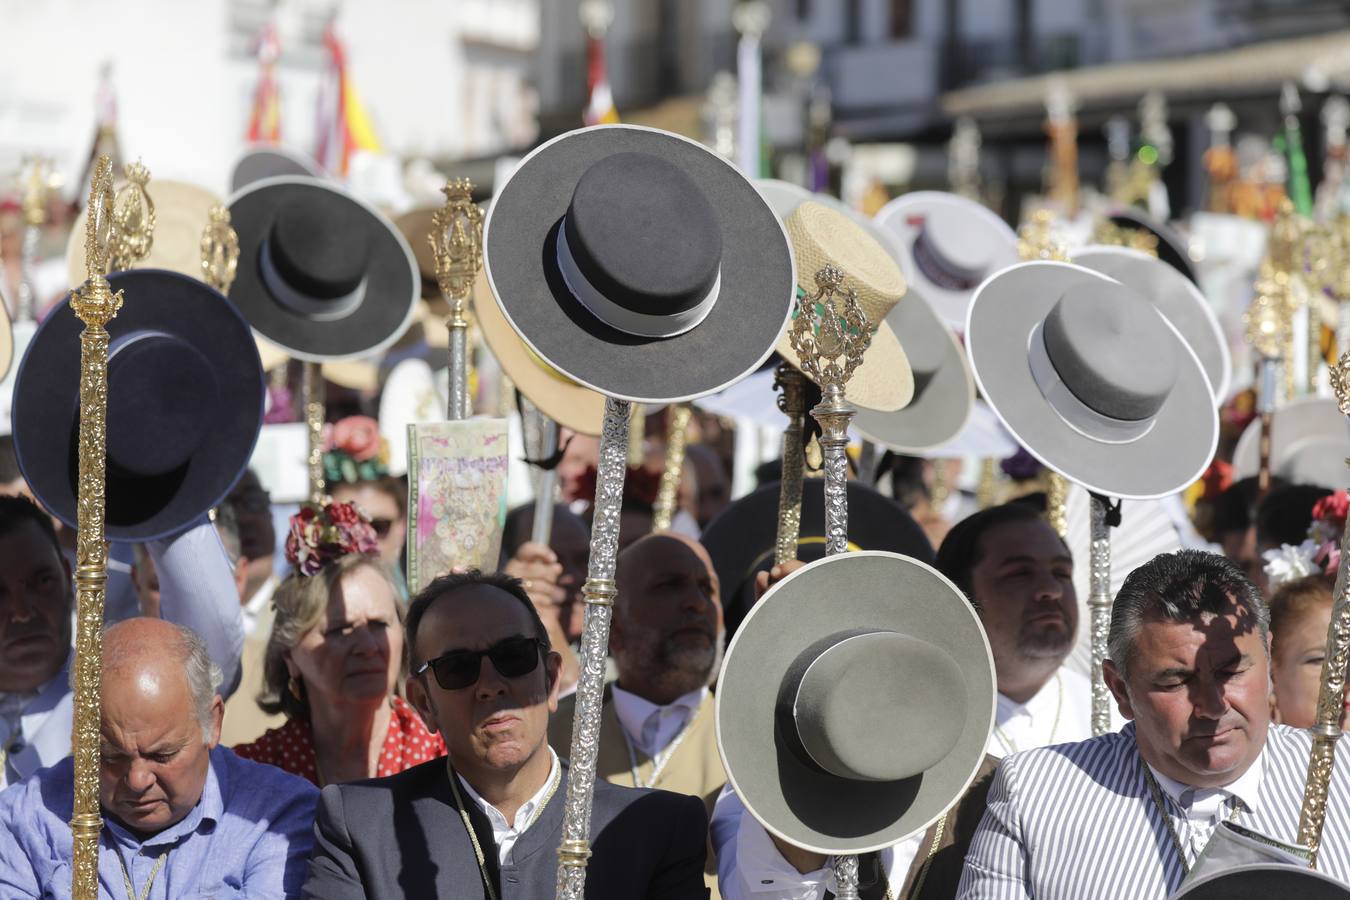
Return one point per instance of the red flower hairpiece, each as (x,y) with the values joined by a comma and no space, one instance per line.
(321,534)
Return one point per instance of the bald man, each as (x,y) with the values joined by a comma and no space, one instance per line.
(183,817)
(666,639)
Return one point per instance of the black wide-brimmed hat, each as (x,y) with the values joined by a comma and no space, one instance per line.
(639,263)
(1090,377)
(322,274)
(855,702)
(741,539)
(271,161)
(1171,246)
(1265,881)
(185,403)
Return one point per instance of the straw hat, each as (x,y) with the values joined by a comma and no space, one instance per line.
(855,702)
(1092,380)
(638,263)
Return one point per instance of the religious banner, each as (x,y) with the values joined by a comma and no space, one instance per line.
(456,496)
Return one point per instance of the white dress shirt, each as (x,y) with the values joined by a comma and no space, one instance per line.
(1060,712)
(504,833)
(651,728)
(1201,809)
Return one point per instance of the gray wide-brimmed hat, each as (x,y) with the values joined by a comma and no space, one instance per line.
(272,161)
(950,244)
(1176,297)
(639,263)
(1309,443)
(1172,247)
(855,702)
(1264,881)
(1092,380)
(944,390)
(322,274)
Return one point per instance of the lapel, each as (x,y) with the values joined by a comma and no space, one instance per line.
(545,832)
(446,819)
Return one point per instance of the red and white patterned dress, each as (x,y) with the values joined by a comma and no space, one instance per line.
(290,748)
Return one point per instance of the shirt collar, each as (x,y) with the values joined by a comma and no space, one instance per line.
(634,711)
(525,816)
(208,812)
(1246,787)
(1041,705)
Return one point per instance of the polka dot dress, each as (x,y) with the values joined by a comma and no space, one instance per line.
(291,747)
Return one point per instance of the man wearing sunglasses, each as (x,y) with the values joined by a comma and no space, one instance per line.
(486,821)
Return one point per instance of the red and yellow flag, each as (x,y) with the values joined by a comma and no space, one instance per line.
(343,126)
(264,122)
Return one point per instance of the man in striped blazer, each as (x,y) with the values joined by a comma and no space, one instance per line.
(1125,815)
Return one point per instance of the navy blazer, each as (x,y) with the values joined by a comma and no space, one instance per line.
(402,837)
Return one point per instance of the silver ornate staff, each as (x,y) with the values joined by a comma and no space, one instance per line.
(34,217)
(541,441)
(457,242)
(792,401)
(1101,517)
(830,335)
(598,594)
(1331,700)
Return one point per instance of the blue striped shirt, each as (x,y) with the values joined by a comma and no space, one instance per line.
(1077,821)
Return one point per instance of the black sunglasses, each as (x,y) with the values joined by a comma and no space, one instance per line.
(512,658)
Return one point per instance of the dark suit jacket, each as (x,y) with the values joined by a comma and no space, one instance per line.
(402,837)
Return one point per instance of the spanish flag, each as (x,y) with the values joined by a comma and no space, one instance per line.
(343,127)
(600,109)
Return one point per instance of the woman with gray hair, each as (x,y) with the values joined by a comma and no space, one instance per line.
(336,657)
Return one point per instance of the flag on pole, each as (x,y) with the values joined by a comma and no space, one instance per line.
(600,109)
(264,122)
(343,126)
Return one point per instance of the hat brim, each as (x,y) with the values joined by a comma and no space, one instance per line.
(6,342)
(802,804)
(755,298)
(1171,246)
(1309,443)
(560,398)
(1262,881)
(47,405)
(392,284)
(181,214)
(883,382)
(741,539)
(263,161)
(1173,454)
(1176,297)
(900,219)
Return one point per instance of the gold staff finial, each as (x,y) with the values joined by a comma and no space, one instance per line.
(220,250)
(36,192)
(831,331)
(457,243)
(133,220)
(1039,239)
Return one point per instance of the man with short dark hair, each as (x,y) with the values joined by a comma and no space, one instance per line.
(36,598)
(1127,814)
(183,816)
(487,820)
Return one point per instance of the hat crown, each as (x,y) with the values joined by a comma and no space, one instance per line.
(852,722)
(821,236)
(161,396)
(1112,350)
(643,234)
(954,246)
(316,248)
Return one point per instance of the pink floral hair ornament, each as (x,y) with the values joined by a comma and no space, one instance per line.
(324,533)
(1320,554)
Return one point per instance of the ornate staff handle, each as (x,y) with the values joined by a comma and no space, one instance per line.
(457,243)
(132,221)
(668,496)
(792,401)
(1331,700)
(830,335)
(1101,517)
(598,593)
(96,305)
(311,386)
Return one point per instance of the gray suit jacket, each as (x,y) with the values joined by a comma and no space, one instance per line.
(402,837)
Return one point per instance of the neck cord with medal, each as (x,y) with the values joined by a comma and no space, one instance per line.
(473,835)
(1156,793)
(662,757)
(149,882)
(1054,726)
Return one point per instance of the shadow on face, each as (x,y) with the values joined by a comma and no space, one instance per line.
(35,603)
